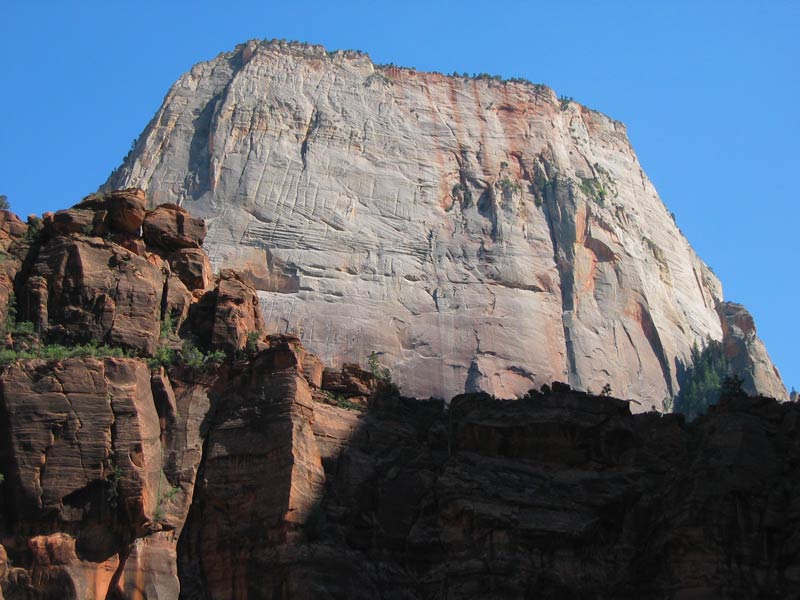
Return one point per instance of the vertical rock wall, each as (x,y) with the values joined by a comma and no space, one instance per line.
(479,234)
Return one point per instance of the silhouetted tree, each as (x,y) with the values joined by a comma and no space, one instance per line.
(732,387)
(4,205)
(702,384)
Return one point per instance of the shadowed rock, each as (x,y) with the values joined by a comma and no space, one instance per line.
(271,476)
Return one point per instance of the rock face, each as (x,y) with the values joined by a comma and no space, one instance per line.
(163,474)
(13,250)
(481,234)
(560,495)
(746,352)
(83,288)
(85,457)
(100,452)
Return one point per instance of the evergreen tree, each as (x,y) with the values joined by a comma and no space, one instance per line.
(702,384)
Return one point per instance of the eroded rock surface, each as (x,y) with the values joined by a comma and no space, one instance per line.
(265,474)
(13,250)
(746,353)
(480,234)
(88,501)
(560,495)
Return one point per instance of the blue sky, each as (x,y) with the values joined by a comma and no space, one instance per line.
(708,91)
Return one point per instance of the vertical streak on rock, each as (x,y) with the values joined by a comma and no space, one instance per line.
(558,207)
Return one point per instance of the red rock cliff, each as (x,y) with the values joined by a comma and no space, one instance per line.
(158,443)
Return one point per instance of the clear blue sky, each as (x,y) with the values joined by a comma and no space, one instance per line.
(708,90)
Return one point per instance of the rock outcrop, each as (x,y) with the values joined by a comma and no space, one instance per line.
(100,445)
(480,234)
(229,461)
(746,352)
(13,250)
(559,495)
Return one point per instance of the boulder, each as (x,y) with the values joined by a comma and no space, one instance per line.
(69,221)
(313,368)
(193,268)
(171,227)
(120,211)
(350,380)
(11,230)
(177,301)
(126,210)
(131,242)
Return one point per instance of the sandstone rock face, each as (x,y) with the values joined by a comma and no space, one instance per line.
(271,476)
(559,495)
(99,456)
(171,227)
(83,288)
(12,253)
(193,268)
(90,453)
(479,234)
(262,476)
(746,352)
(123,211)
(237,313)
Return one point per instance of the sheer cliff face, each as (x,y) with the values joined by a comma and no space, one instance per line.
(477,234)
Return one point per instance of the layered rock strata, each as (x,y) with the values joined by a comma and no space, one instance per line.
(479,234)
(230,462)
(101,445)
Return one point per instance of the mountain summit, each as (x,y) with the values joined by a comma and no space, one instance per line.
(481,234)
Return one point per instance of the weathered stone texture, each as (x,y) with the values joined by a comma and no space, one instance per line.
(237,313)
(83,288)
(557,496)
(478,233)
(171,227)
(746,353)
(12,253)
(100,458)
(262,476)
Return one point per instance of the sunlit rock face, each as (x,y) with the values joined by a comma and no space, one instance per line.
(477,234)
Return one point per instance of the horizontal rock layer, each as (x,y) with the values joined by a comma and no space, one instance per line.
(479,234)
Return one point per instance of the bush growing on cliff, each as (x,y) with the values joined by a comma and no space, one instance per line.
(167,326)
(380,373)
(252,342)
(189,355)
(160,513)
(27,345)
(193,357)
(164,357)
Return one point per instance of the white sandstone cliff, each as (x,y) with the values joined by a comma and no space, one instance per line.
(478,234)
